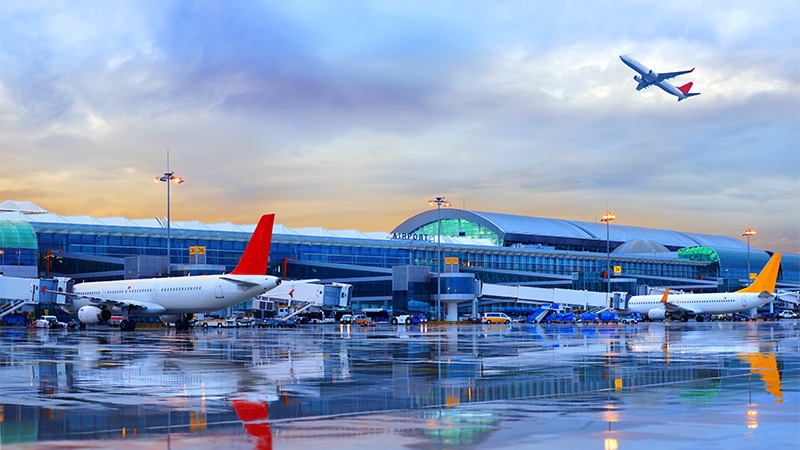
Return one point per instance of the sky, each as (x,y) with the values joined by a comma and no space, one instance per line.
(353,114)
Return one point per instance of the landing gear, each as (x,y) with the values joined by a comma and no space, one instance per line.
(183,324)
(127,325)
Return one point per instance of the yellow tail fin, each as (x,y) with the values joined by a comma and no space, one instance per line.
(767,278)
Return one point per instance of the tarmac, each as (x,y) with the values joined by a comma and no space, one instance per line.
(715,385)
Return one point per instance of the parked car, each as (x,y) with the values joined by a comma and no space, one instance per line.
(245,322)
(360,319)
(630,318)
(347,318)
(787,314)
(49,322)
(409,319)
(495,317)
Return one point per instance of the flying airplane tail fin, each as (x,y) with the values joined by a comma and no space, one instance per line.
(256,254)
(767,278)
(685,88)
(685,91)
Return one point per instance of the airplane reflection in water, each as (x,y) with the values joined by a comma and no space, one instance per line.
(78,386)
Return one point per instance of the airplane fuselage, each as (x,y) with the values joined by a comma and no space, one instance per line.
(716,303)
(179,295)
(648,77)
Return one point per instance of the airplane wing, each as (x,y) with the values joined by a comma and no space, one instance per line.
(153,308)
(668,75)
(244,283)
(671,307)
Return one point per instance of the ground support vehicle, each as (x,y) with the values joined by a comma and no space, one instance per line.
(608,317)
(588,317)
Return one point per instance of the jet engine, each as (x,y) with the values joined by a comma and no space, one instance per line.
(168,319)
(93,314)
(637,78)
(653,74)
(656,314)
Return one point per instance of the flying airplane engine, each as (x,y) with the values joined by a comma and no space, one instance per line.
(93,314)
(653,74)
(656,314)
(637,78)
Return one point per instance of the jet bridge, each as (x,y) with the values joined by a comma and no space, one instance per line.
(538,296)
(16,293)
(300,296)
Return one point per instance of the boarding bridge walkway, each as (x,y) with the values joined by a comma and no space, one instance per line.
(15,293)
(538,296)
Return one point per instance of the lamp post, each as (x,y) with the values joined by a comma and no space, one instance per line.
(607,218)
(167,178)
(748,232)
(439,202)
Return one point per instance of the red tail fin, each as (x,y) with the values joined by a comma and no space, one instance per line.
(256,254)
(685,88)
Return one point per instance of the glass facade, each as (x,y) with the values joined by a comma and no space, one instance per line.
(459,228)
(17,244)
(63,249)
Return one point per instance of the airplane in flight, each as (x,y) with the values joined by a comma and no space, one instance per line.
(175,300)
(647,78)
(684,306)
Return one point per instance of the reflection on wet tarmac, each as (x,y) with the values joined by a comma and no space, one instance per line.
(429,386)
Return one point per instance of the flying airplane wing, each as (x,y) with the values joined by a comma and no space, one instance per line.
(668,75)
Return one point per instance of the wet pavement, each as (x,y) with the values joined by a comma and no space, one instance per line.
(654,385)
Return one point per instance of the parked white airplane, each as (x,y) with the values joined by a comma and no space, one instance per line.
(177,299)
(647,78)
(684,306)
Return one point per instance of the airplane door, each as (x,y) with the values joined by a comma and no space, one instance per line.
(218,290)
(154,294)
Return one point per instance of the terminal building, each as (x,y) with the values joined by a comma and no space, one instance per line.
(397,270)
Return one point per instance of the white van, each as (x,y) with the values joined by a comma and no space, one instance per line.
(495,317)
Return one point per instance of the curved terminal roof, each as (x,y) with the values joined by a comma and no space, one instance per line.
(512,229)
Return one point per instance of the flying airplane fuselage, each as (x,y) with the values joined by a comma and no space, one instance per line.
(648,77)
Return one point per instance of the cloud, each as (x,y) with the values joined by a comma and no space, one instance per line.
(353,115)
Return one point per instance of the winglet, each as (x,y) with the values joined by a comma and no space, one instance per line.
(256,254)
(767,278)
(664,297)
(691,70)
